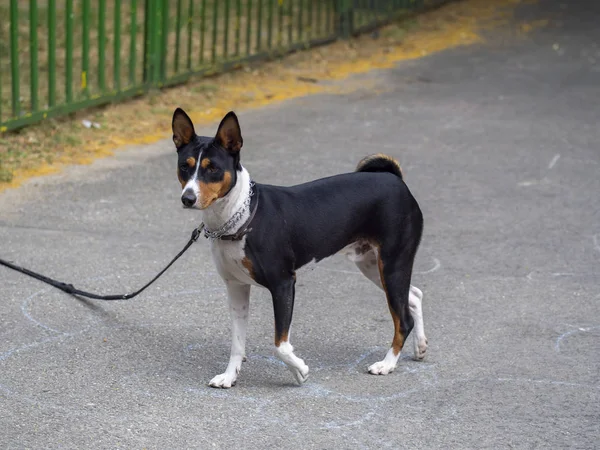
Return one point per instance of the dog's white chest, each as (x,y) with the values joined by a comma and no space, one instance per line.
(229,259)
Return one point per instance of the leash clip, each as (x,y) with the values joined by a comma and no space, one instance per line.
(197,231)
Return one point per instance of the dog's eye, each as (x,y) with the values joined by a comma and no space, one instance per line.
(183,167)
(213,169)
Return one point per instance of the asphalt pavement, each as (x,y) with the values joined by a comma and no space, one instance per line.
(499,143)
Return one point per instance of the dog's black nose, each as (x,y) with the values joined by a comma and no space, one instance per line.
(188,198)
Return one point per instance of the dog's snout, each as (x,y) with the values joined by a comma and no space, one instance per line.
(188,198)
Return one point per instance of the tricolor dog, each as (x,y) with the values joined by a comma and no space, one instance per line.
(262,234)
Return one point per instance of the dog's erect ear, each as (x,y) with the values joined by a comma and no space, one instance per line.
(229,134)
(183,128)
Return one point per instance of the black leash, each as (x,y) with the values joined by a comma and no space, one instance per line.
(70,289)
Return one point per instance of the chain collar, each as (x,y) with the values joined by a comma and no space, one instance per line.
(217,234)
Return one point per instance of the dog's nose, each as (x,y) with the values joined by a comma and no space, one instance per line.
(188,198)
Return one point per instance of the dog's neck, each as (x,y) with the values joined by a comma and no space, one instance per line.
(217,214)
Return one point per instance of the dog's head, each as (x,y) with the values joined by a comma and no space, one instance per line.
(206,167)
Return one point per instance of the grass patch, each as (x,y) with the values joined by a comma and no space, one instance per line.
(6,175)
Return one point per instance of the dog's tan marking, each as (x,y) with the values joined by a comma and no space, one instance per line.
(248,266)
(205,163)
(370,158)
(191,161)
(398,341)
(280,339)
(209,192)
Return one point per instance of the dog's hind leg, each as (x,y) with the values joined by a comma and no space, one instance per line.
(239,306)
(395,279)
(283,306)
(369,267)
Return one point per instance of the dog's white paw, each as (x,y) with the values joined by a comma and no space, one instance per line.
(285,352)
(223,381)
(300,373)
(420,348)
(382,368)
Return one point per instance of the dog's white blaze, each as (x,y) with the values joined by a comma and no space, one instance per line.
(192,182)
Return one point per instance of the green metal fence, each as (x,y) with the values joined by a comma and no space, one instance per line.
(60,56)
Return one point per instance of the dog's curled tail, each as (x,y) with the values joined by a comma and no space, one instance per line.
(379,163)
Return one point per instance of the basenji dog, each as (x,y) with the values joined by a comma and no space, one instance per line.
(262,234)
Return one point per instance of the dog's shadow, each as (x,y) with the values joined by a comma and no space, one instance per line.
(190,355)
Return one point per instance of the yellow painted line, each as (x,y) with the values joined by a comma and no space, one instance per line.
(456,24)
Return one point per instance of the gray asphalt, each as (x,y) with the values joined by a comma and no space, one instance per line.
(499,144)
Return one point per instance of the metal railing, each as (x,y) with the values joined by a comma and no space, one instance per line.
(60,56)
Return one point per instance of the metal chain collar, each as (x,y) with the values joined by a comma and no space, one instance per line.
(234,219)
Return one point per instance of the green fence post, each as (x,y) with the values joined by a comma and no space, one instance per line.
(202,29)
(238,26)
(148,4)
(154,37)
(318,20)
(164,35)
(33,55)
(152,42)
(132,42)
(259,15)
(290,38)
(300,11)
(190,27)
(177,35)
(248,26)
(309,13)
(226,30)
(214,31)
(328,7)
(101,44)
(14,57)
(51,53)
(270,24)
(280,24)
(117,47)
(69,53)
(345,18)
(85,53)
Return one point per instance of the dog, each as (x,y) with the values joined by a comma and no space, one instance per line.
(262,234)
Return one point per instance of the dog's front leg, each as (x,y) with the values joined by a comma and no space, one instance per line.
(239,305)
(283,305)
